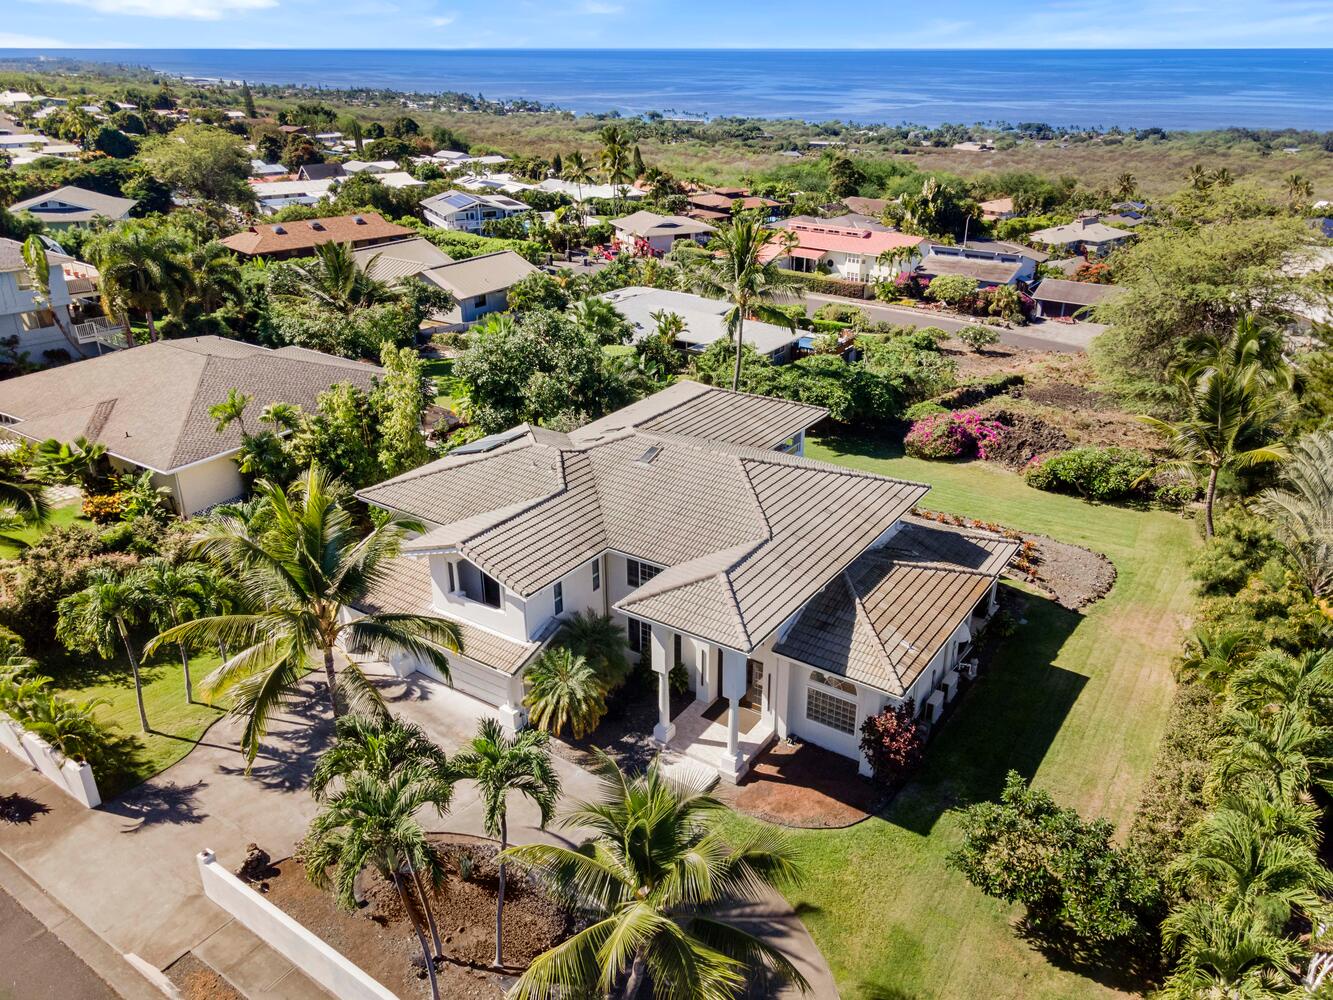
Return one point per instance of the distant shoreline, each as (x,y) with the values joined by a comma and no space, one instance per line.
(1178,90)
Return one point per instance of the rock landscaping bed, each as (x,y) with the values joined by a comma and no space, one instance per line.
(378,936)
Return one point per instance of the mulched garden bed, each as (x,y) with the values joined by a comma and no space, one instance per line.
(378,937)
(626,732)
(195,979)
(802,785)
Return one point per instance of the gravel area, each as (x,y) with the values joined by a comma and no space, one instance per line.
(195,979)
(1074,576)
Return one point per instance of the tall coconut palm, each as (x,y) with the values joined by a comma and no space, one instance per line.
(379,747)
(172,593)
(616,158)
(301,566)
(215,277)
(93,619)
(652,880)
(1230,407)
(1126,186)
(370,824)
(1225,955)
(736,270)
(564,692)
(39,274)
(577,172)
(500,765)
(333,278)
(142,268)
(1301,510)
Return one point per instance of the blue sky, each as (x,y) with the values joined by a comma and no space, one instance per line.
(664,24)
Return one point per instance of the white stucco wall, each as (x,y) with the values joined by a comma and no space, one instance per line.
(208,483)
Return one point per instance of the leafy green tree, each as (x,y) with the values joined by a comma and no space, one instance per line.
(371,823)
(93,619)
(952,289)
(537,291)
(977,337)
(502,765)
(39,273)
(845,178)
(143,268)
(340,436)
(248,101)
(740,267)
(1063,869)
(201,161)
(399,400)
(330,277)
(564,692)
(652,880)
(302,567)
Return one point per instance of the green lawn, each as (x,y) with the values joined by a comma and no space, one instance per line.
(1077,702)
(176,725)
(13,542)
(442,370)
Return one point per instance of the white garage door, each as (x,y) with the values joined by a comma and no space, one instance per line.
(473,679)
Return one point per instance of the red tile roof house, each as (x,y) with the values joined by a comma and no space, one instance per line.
(279,240)
(849,254)
(799,597)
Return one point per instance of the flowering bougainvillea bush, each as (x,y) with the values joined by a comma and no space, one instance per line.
(959,434)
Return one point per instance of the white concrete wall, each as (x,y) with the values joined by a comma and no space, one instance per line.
(208,483)
(868,702)
(510,619)
(310,954)
(74,779)
(578,596)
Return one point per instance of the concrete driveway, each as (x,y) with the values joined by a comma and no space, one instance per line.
(127,870)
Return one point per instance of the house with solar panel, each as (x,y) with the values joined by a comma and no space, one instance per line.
(796,597)
(467,211)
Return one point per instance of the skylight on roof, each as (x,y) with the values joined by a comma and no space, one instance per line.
(647,457)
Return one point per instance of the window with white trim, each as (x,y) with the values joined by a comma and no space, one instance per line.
(829,710)
(638,573)
(837,683)
(559,598)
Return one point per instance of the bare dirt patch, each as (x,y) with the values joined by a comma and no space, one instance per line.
(1027,436)
(195,979)
(378,936)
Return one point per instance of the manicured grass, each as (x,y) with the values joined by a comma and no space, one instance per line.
(1077,702)
(176,725)
(442,371)
(14,542)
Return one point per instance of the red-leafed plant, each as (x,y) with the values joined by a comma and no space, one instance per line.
(892,742)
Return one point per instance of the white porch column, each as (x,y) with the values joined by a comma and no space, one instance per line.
(991,603)
(513,716)
(665,729)
(733,688)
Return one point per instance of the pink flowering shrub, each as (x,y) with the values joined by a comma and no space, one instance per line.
(959,434)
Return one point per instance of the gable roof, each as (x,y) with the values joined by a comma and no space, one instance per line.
(820,236)
(11,256)
(87,205)
(149,404)
(400,258)
(285,237)
(646,224)
(1079,231)
(747,534)
(882,620)
(1082,293)
(488,272)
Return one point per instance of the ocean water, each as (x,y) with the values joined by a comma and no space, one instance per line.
(1190,89)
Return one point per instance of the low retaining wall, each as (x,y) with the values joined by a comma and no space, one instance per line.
(305,950)
(74,779)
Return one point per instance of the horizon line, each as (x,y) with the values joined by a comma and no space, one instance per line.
(647,48)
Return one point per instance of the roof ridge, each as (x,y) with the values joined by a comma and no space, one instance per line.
(189,408)
(861,615)
(734,604)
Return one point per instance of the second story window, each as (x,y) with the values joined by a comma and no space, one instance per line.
(478,586)
(638,573)
(559,598)
(596,574)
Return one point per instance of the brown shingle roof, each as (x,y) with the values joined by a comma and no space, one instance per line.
(997,271)
(149,405)
(882,621)
(287,237)
(1082,293)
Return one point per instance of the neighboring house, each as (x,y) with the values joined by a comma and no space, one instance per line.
(400,259)
(399,179)
(1026,263)
(796,595)
(280,240)
(320,171)
(149,406)
(848,220)
(1000,247)
(73,292)
(480,284)
(705,321)
(872,207)
(1059,299)
(849,254)
(272,196)
(258,168)
(370,166)
(997,209)
(986,273)
(468,212)
(606,192)
(1086,235)
(660,232)
(717,205)
(74,206)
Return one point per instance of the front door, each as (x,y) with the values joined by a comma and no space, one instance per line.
(754,689)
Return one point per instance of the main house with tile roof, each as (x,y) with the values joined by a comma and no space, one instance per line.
(798,597)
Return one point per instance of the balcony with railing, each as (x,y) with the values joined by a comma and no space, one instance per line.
(103,331)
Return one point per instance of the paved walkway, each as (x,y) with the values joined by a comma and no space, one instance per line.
(127,870)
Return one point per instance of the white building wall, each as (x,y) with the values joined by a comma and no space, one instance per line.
(202,486)
(510,619)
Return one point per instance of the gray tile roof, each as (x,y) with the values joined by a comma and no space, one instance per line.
(883,620)
(403,586)
(90,205)
(490,272)
(1083,293)
(748,534)
(149,405)
(997,271)
(400,259)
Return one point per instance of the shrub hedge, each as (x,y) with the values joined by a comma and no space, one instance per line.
(1093,473)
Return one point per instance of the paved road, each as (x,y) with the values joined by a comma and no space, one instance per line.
(36,965)
(1069,338)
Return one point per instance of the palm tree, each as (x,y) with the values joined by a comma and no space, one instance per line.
(39,272)
(502,764)
(600,318)
(616,160)
(651,880)
(1275,679)
(1230,405)
(736,270)
(1212,655)
(600,641)
(215,278)
(333,278)
(1285,750)
(1125,186)
(1301,512)
(381,746)
(79,462)
(231,410)
(143,269)
(171,593)
(565,691)
(24,496)
(370,824)
(302,564)
(1299,190)
(1225,955)
(69,726)
(283,416)
(1199,177)
(1223,177)
(95,617)
(577,172)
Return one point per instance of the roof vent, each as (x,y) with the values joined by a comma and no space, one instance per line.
(647,457)
(358,220)
(279,231)
(316,224)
